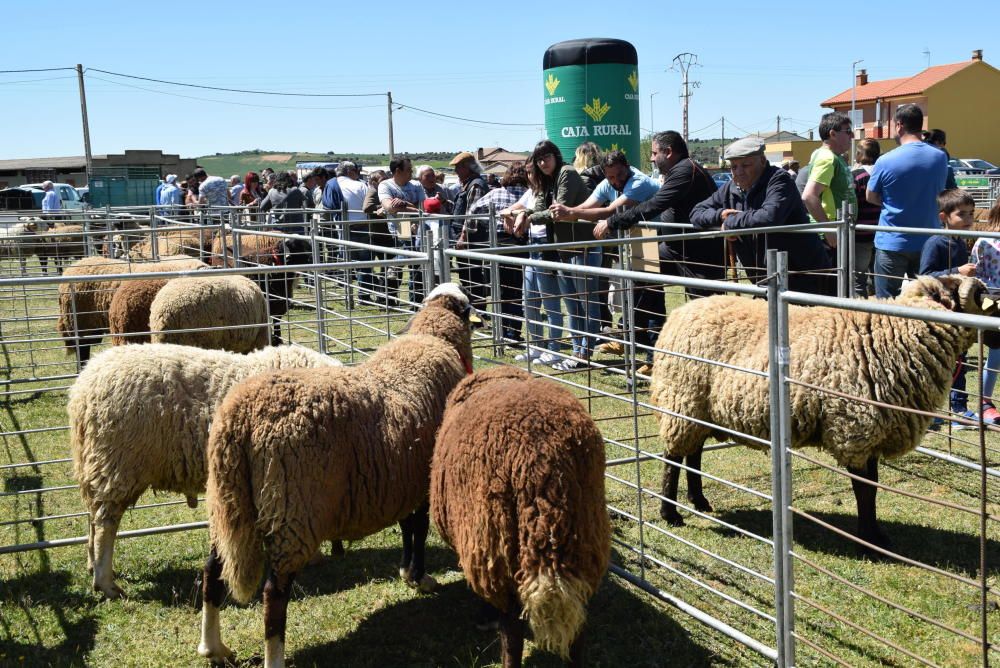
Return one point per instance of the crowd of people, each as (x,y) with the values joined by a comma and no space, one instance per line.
(550,201)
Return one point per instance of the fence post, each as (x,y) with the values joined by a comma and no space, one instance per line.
(496,298)
(317,290)
(852,249)
(784,612)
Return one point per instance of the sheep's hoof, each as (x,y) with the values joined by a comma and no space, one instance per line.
(111,591)
(427,585)
(672,517)
(337,548)
(700,503)
(219,656)
(877,539)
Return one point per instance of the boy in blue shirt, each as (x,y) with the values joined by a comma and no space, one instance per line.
(944,255)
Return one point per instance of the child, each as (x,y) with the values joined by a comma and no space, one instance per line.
(943,255)
(986,255)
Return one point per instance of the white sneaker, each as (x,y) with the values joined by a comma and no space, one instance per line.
(545,358)
(532,354)
(569,365)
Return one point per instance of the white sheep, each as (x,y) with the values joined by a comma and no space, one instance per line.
(139,419)
(899,361)
(22,240)
(231,308)
(296,458)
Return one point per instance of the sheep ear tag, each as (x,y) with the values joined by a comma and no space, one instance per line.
(988,303)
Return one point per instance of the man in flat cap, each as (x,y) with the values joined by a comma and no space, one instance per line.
(762,195)
(472,186)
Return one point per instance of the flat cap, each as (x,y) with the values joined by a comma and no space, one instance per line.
(745,147)
(461,157)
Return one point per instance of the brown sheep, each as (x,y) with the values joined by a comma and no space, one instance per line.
(518,490)
(83,306)
(129,311)
(296,458)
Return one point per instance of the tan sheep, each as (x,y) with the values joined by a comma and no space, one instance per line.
(83,306)
(232,309)
(139,418)
(296,458)
(517,488)
(898,361)
(195,243)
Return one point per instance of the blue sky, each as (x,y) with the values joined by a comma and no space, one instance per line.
(478,60)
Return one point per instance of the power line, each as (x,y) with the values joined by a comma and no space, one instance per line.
(20,81)
(230,102)
(234,90)
(470,120)
(47,69)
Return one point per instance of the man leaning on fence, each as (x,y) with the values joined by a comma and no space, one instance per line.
(761,195)
(470,231)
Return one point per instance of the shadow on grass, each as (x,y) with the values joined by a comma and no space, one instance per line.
(36,594)
(179,586)
(72,651)
(949,550)
(624,628)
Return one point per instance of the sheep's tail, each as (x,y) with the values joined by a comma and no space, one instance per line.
(232,512)
(555,606)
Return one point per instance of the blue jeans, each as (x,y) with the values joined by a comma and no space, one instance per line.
(541,288)
(889,269)
(580,294)
(990,372)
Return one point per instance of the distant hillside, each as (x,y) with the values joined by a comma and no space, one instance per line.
(227,164)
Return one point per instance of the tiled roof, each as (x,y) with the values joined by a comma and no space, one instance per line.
(914,85)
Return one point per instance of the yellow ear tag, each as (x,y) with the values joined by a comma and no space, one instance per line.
(988,303)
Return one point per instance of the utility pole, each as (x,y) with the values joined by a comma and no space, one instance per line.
(683,63)
(392,148)
(652,125)
(722,147)
(778,129)
(86,123)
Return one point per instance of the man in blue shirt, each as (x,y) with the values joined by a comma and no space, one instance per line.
(50,202)
(623,187)
(905,182)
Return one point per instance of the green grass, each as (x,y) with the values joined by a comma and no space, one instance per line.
(353,610)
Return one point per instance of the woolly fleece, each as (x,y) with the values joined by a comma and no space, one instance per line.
(129,311)
(90,299)
(295,458)
(898,361)
(517,488)
(211,301)
(139,417)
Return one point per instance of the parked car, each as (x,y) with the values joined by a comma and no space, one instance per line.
(973,166)
(722,178)
(29,196)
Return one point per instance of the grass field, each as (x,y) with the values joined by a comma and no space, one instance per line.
(353,610)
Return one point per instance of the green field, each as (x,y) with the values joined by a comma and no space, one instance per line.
(353,610)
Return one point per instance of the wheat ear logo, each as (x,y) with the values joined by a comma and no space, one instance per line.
(551,84)
(614,147)
(596,110)
(633,80)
